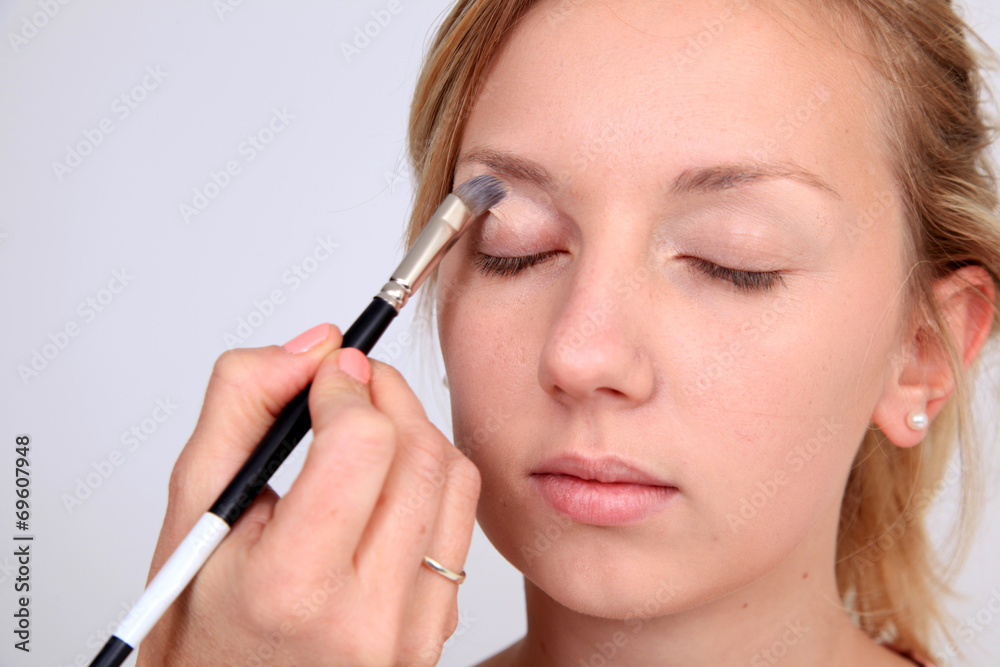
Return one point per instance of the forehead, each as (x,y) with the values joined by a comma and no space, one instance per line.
(628,84)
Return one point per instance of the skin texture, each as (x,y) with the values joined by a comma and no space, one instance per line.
(647,117)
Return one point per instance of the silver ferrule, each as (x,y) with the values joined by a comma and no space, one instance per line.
(423,256)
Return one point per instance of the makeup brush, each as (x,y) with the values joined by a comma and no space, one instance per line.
(469,200)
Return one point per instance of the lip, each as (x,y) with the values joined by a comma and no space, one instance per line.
(606,491)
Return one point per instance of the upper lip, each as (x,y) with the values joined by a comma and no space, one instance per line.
(605,469)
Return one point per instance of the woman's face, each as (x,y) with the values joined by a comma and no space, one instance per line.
(645,144)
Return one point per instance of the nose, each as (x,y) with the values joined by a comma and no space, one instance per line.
(596,347)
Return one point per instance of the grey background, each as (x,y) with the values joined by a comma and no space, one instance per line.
(337,171)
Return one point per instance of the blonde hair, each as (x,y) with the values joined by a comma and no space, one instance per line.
(888,573)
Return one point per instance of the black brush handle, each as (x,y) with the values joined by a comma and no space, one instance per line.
(113,654)
(294,422)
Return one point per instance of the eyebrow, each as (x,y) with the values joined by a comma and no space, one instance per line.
(510,165)
(722,177)
(694,180)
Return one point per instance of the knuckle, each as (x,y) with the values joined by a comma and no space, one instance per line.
(232,365)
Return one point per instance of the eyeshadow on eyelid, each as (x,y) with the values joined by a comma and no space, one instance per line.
(517,219)
(762,225)
(496,225)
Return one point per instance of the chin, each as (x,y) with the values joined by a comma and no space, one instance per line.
(589,570)
(619,603)
(603,584)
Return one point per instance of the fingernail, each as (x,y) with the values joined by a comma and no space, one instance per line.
(355,363)
(308,340)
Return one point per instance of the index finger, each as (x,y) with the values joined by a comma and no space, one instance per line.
(246,392)
(340,483)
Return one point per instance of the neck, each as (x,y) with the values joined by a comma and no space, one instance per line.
(760,634)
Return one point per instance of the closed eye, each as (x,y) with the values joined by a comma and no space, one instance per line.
(509,266)
(745,281)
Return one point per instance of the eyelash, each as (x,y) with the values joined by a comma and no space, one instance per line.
(748,282)
(509,266)
(745,281)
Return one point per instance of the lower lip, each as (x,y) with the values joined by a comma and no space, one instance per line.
(602,503)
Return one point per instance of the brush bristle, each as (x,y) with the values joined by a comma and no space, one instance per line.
(482,193)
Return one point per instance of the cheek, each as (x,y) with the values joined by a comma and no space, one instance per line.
(490,371)
(784,395)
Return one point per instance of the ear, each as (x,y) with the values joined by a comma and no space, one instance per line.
(919,375)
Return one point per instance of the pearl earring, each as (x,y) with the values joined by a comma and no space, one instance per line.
(917,420)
